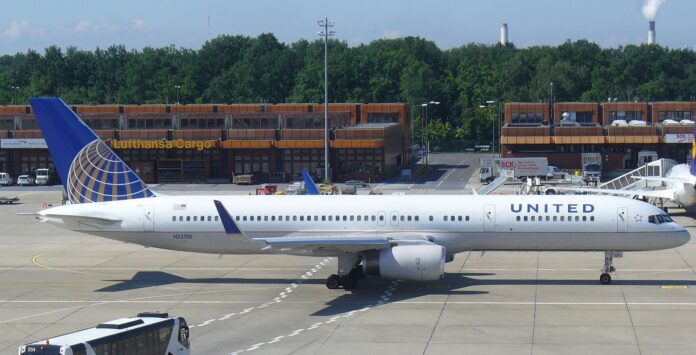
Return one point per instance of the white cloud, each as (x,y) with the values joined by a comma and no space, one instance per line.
(17,28)
(83,26)
(138,25)
(391,34)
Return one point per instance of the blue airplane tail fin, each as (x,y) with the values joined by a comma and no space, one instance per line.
(310,186)
(89,169)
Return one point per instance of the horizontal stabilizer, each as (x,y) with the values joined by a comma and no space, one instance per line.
(104,220)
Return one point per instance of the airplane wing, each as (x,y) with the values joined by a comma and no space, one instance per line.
(666,193)
(349,242)
(672,179)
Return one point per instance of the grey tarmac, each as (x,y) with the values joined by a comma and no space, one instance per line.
(54,281)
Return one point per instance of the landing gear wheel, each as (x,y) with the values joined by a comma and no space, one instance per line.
(349,282)
(333,282)
(605,278)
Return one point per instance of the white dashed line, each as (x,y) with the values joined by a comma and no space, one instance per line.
(277,299)
(384,298)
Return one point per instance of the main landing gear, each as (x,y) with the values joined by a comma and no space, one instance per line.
(348,282)
(605,278)
(349,271)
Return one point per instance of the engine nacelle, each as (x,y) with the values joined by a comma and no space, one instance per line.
(407,262)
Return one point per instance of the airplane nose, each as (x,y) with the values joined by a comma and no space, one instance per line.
(680,238)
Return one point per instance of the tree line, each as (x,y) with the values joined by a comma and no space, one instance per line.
(241,69)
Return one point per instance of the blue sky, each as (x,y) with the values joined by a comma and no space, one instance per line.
(37,24)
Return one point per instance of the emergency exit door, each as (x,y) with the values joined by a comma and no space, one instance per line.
(622,219)
(488,218)
(148,218)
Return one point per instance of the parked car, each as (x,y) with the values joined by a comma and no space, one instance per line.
(357,183)
(24,180)
(6,179)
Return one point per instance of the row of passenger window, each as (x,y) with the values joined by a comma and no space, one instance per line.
(323,218)
(195,218)
(315,218)
(555,218)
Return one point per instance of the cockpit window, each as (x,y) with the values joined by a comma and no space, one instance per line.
(659,218)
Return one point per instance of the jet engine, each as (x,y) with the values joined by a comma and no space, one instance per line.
(407,262)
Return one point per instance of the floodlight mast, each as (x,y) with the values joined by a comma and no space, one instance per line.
(325,24)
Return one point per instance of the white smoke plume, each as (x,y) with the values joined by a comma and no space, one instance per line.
(650,8)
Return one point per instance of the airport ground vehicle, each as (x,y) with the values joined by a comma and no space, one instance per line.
(408,237)
(555,173)
(147,333)
(246,179)
(8,200)
(592,173)
(6,179)
(25,180)
(520,167)
(42,176)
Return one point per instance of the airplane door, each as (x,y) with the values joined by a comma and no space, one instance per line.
(148,218)
(622,219)
(381,218)
(488,218)
(394,218)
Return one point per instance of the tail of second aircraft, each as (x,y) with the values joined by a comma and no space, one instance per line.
(89,169)
(693,153)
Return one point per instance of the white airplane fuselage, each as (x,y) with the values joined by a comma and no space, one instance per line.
(684,192)
(458,222)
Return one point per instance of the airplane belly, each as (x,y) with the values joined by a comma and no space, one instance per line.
(581,241)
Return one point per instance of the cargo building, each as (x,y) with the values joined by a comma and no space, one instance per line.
(198,143)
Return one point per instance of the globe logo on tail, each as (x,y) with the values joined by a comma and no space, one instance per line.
(97,174)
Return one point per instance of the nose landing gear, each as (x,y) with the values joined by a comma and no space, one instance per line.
(605,278)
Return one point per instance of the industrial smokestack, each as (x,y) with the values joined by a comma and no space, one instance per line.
(503,34)
(651,33)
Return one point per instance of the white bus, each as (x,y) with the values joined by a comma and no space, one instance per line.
(146,334)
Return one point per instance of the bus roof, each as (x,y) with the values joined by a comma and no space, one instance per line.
(102,330)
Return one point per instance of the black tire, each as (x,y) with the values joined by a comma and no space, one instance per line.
(349,282)
(550,192)
(333,282)
(489,180)
(605,279)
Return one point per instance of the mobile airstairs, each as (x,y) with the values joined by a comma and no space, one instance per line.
(632,180)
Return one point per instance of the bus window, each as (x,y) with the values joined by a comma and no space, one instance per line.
(183,333)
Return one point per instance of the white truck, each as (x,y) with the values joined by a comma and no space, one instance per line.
(591,168)
(520,167)
(42,176)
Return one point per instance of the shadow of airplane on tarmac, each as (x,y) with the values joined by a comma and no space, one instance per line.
(144,279)
(371,289)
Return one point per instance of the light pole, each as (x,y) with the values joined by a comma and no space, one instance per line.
(427,142)
(177,87)
(500,127)
(14,99)
(325,24)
